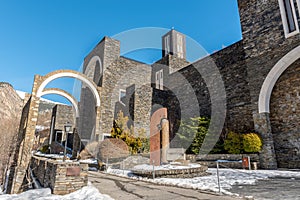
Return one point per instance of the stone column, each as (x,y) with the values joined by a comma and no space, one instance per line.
(165,140)
(76,143)
(97,125)
(263,127)
(26,140)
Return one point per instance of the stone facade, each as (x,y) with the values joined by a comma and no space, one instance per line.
(225,85)
(61,114)
(284,117)
(231,78)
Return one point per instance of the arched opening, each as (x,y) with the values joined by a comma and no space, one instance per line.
(285,117)
(65,94)
(72,74)
(94,70)
(272,77)
(279,101)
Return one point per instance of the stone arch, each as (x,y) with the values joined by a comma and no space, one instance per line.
(65,94)
(69,73)
(273,76)
(92,70)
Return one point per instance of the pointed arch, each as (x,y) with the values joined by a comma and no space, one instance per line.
(273,76)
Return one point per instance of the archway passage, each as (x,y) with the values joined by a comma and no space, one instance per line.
(272,77)
(29,120)
(268,154)
(65,94)
(285,117)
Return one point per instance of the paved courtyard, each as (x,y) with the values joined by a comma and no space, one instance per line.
(123,188)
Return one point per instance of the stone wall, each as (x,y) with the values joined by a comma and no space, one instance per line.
(173,62)
(121,74)
(188,90)
(10,113)
(285,117)
(108,51)
(63,114)
(234,160)
(61,177)
(264,44)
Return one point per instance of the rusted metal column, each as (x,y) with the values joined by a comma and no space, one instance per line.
(165,140)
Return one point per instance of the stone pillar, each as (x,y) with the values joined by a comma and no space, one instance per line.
(267,154)
(165,140)
(26,140)
(76,143)
(98,137)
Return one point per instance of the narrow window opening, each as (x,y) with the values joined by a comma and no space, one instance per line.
(167,45)
(289,15)
(159,83)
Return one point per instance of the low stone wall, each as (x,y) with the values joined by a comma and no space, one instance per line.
(210,160)
(132,161)
(174,173)
(61,177)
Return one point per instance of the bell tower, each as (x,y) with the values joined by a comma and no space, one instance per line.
(174,43)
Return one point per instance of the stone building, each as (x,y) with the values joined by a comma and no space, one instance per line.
(61,114)
(258,78)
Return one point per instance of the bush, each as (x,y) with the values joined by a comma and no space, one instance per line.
(233,143)
(136,142)
(251,143)
(192,133)
(44,149)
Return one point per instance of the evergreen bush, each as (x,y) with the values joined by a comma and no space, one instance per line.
(251,143)
(233,143)
(137,143)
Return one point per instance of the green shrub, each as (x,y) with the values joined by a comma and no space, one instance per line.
(233,143)
(251,143)
(44,149)
(137,142)
(192,133)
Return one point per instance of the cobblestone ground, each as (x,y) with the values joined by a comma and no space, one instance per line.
(272,189)
(122,188)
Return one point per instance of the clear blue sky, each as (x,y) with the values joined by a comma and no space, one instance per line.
(40,36)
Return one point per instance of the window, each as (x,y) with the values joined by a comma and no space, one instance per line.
(122,94)
(179,46)
(167,45)
(289,17)
(159,80)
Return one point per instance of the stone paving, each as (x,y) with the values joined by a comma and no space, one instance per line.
(124,188)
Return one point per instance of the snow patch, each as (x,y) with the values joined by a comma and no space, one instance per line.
(87,192)
(146,167)
(228,178)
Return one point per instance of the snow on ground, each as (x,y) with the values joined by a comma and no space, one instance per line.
(54,156)
(146,167)
(89,192)
(228,178)
(89,161)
